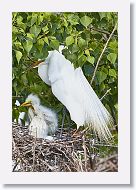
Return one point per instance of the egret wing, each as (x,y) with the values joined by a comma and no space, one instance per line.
(62,76)
(51,119)
(96,115)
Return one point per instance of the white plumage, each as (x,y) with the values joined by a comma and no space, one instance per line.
(43,121)
(73,90)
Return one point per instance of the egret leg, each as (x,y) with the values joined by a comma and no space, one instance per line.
(63,119)
(69,122)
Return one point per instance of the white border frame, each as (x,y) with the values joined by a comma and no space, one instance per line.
(123,174)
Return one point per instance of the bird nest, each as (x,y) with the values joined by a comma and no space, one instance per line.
(69,153)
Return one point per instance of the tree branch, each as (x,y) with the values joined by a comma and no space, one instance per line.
(103,53)
(101,31)
(105,93)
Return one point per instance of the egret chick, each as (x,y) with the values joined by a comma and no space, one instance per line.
(43,121)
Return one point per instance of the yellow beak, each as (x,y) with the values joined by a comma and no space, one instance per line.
(26,104)
(36,63)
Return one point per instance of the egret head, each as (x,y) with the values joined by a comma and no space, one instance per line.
(43,62)
(38,63)
(31,101)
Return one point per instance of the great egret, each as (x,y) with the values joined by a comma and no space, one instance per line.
(43,121)
(72,89)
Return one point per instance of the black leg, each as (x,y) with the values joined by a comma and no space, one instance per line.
(69,125)
(63,119)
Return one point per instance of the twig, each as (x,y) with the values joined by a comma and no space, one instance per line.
(80,163)
(50,167)
(15,167)
(106,145)
(112,165)
(102,31)
(30,58)
(103,52)
(17,96)
(85,152)
(105,93)
(107,159)
(34,153)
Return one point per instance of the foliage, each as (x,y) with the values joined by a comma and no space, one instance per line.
(85,34)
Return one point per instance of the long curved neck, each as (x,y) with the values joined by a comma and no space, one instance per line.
(43,73)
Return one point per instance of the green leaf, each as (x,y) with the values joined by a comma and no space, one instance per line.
(35,30)
(81,43)
(31,36)
(40,44)
(111,80)
(28,45)
(73,19)
(54,44)
(88,70)
(46,40)
(112,73)
(112,57)
(22,27)
(101,76)
(75,48)
(102,87)
(24,79)
(40,19)
(87,52)
(72,57)
(65,23)
(36,88)
(82,60)
(85,21)
(91,59)
(69,40)
(105,70)
(18,45)
(34,19)
(19,19)
(113,44)
(45,28)
(18,56)
(102,14)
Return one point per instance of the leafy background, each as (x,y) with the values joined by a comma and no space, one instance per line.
(85,35)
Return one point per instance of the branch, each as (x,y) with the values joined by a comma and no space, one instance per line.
(103,53)
(105,93)
(17,96)
(102,31)
(106,145)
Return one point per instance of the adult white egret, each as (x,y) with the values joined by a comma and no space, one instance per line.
(72,89)
(43,121)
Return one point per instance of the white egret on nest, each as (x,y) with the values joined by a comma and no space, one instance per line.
(43,121)
(72,89)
